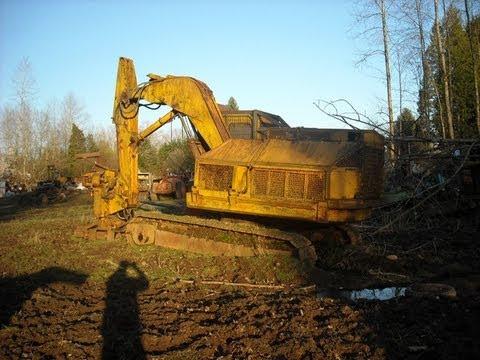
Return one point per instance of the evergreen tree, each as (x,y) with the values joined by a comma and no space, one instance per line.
(405,125)
(76,146)
(232,103)
(175,157)
(461,78)
(147,157)
(90,143)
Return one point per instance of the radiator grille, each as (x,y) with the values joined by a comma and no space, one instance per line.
(295,185)
(277,183)
(216,177)
(286,184)
(260,182)
(314,187)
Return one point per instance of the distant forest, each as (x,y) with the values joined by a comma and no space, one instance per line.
(431,58)
(431,68)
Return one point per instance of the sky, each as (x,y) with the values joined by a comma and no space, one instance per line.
(276,56)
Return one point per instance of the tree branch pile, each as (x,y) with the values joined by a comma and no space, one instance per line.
(429,180)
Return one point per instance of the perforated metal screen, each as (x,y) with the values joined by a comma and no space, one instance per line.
(287,184)
(295,185)
(216,177)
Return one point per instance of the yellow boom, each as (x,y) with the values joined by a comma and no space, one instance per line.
(116,191)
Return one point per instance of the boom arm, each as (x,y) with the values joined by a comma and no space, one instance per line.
(114,191)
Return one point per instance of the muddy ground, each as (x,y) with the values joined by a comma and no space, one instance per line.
(64,298)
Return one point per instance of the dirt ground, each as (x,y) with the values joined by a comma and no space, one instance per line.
(62,297)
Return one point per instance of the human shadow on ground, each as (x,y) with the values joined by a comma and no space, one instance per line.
(121,328)
(14,291)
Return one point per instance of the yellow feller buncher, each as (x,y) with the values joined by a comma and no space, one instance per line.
(301,176)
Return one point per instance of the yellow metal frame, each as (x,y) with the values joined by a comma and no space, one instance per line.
(339,205)
(117,191)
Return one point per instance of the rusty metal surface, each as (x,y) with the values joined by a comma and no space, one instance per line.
(248,124)
(275,153)
(265,118)
(166,185)
(294,178)
(301,154)
(314,134)
(290,172)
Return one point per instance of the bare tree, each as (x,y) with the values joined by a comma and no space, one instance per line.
(17,122)
(24,84)
(417,15)
(444,71)
(474,64)
(374,18)
(386,54)
(32,138)
(72,111)
(426,74)
(399,68)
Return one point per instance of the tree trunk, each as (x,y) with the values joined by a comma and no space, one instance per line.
(386,52)
(440,109)
(426,75)
(474,64)
(443,66)
(400,91)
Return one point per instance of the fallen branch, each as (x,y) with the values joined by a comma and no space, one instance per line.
(439,187)
(247,285)
(379,273)
(225,283)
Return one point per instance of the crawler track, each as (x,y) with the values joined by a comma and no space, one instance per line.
(215,237)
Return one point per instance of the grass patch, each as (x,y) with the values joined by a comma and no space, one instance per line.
(40,238)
